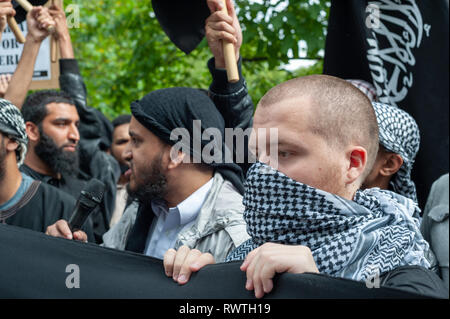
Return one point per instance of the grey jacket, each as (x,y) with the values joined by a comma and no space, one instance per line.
(218,229)
(434,225)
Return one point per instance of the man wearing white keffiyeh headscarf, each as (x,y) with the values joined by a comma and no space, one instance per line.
(399,140)
(399,137)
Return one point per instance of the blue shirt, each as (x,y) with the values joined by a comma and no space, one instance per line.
(24,185)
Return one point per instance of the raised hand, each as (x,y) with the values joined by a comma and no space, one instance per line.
(222,27)
(6,9)
(39,21)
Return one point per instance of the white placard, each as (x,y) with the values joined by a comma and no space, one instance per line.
(11,51)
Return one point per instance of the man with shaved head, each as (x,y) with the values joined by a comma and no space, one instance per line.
(304,208)
(316,139)
(309,215)
(324,124)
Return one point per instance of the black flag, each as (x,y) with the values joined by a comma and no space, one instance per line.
(401,47)
(183,21)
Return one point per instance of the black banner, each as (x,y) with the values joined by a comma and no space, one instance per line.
(401,47)
(34,265)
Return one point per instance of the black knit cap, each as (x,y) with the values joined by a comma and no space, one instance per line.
(163,111)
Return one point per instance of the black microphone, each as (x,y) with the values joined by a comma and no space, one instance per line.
(89,199)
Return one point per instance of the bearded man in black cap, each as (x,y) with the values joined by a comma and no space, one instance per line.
(180,205)
(188,197)
(173,182)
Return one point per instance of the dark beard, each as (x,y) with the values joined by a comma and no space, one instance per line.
(59,161)
(154,186)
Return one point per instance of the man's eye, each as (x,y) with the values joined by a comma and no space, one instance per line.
(122,142)
(284,154)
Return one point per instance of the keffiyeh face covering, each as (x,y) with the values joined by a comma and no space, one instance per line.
(375,233)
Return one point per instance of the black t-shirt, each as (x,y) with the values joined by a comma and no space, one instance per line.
(67,184)
(73,187)
(46,207)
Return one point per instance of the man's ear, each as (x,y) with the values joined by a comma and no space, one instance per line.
(32,131)
(176,158)
(357,159)
(11,145)
(391,165)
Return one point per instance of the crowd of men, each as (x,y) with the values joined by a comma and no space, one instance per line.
(335,197)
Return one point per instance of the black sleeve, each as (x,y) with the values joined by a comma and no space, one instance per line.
(95,129)
(234,103)
(415,279)
(231,99)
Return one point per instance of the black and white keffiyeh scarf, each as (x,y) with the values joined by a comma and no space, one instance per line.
(375,233)
(399,133)
(13,125)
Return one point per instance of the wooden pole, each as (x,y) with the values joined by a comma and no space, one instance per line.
(25,4)
(16,29)
(230,55)
(54,45)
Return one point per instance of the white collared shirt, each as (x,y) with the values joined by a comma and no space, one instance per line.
(169,222)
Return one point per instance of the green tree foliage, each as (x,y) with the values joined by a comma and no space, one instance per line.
(124,53)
